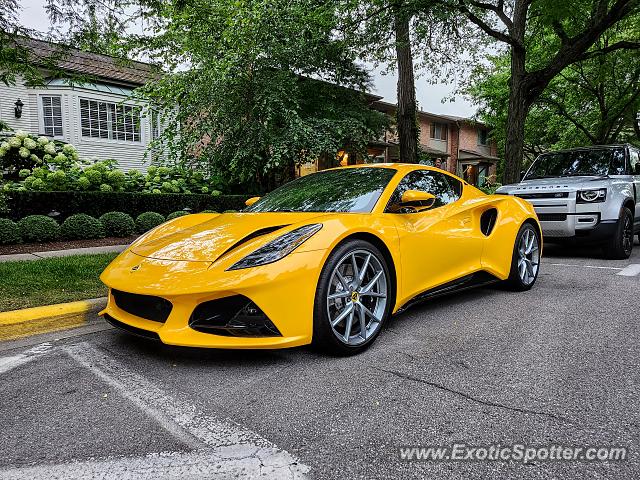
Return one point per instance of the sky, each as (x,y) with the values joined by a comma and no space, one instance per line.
(430,97)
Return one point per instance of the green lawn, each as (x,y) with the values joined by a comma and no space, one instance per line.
(51,280)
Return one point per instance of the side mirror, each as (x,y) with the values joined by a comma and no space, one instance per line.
(250,201)
(417,198)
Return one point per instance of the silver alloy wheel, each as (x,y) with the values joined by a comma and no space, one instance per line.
(357,297)
(528,256)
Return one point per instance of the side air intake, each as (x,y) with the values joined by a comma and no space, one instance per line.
(488,221)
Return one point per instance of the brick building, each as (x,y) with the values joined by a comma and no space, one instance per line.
(456,144)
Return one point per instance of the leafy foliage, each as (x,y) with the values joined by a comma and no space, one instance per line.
(178,214)
(23,203)
(22,152)
(81,226)
(593,101)
(249,110)
(118,224)
(9,232)
(39,228)
(148,220)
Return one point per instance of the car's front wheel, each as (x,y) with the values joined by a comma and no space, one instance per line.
(353,298)
(525,260)
(620,245)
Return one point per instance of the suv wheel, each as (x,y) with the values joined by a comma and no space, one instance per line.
(620,245)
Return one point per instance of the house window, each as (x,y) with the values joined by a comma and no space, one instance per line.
(52,115)
(483,136)
(155,125)
(439,131)
(109,120)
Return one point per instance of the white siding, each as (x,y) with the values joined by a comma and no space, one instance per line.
(128,154)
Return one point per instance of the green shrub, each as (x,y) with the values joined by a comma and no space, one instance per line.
(179,213)
(82,226)
(23,151)
(148,220)
(230,211)
(118,224)
(208,211)
(23,203)
(9,232)
(39,228)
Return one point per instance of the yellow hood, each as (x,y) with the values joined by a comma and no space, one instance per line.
(207,241)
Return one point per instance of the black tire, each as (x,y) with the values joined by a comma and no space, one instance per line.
(515,282)
(620,246)
(324,337)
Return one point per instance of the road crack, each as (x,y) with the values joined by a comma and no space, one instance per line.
(473,399)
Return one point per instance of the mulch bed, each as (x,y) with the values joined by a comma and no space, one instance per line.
(63,245)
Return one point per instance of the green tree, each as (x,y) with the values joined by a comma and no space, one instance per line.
(569,30)
(243,98)
(594,101)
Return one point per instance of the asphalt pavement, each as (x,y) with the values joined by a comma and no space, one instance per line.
(556,365)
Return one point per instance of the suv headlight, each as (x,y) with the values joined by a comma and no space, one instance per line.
(278,248)
(592,196)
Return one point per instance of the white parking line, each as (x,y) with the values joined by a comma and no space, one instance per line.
(9,363)
(630,271)
(223,449)
(584,266)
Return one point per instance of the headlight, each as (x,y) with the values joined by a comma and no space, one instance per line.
(278,248)
(592,196)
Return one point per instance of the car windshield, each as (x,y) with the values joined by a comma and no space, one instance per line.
(342,190)
(596,161)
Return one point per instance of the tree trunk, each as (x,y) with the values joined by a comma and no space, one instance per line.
(406,113)
(516,118)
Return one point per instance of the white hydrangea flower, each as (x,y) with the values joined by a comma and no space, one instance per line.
(43,140)
(50,148)
(29,143)
(15,142)
(21,134)
(24,152)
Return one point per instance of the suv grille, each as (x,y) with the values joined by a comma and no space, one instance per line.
(143,306)
(552,217)
(530,196)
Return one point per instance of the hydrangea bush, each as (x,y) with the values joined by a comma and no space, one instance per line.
(23,151)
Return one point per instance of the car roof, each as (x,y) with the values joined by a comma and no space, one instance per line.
(591,147)
(402,167)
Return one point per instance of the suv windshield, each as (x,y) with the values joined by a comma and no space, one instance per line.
(341,190)
(596,161)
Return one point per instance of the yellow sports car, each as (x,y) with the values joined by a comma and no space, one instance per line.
(324,259)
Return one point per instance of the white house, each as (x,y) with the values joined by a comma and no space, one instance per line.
(99,117)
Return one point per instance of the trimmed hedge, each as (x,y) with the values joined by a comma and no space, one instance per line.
(81,227)
(148,220)
(178,214)
(118,224)
(25,203)
(39,228)
(9,232)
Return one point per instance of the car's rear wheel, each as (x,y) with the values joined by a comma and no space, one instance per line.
(353,298)
(620,245)
(525,260)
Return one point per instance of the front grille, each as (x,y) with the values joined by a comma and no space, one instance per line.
(552,217)
(530,196)
(131,329)
(235,316)
(143,306)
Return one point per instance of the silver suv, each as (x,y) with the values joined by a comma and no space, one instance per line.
(587,194)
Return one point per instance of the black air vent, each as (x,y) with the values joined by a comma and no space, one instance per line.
(251,236)
(488,221)
(143,306)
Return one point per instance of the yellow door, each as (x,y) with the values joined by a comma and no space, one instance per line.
(438,244)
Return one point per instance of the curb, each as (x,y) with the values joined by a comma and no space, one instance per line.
(18,257)
(49,318)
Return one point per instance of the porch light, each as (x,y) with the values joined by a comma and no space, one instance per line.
(18,109)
